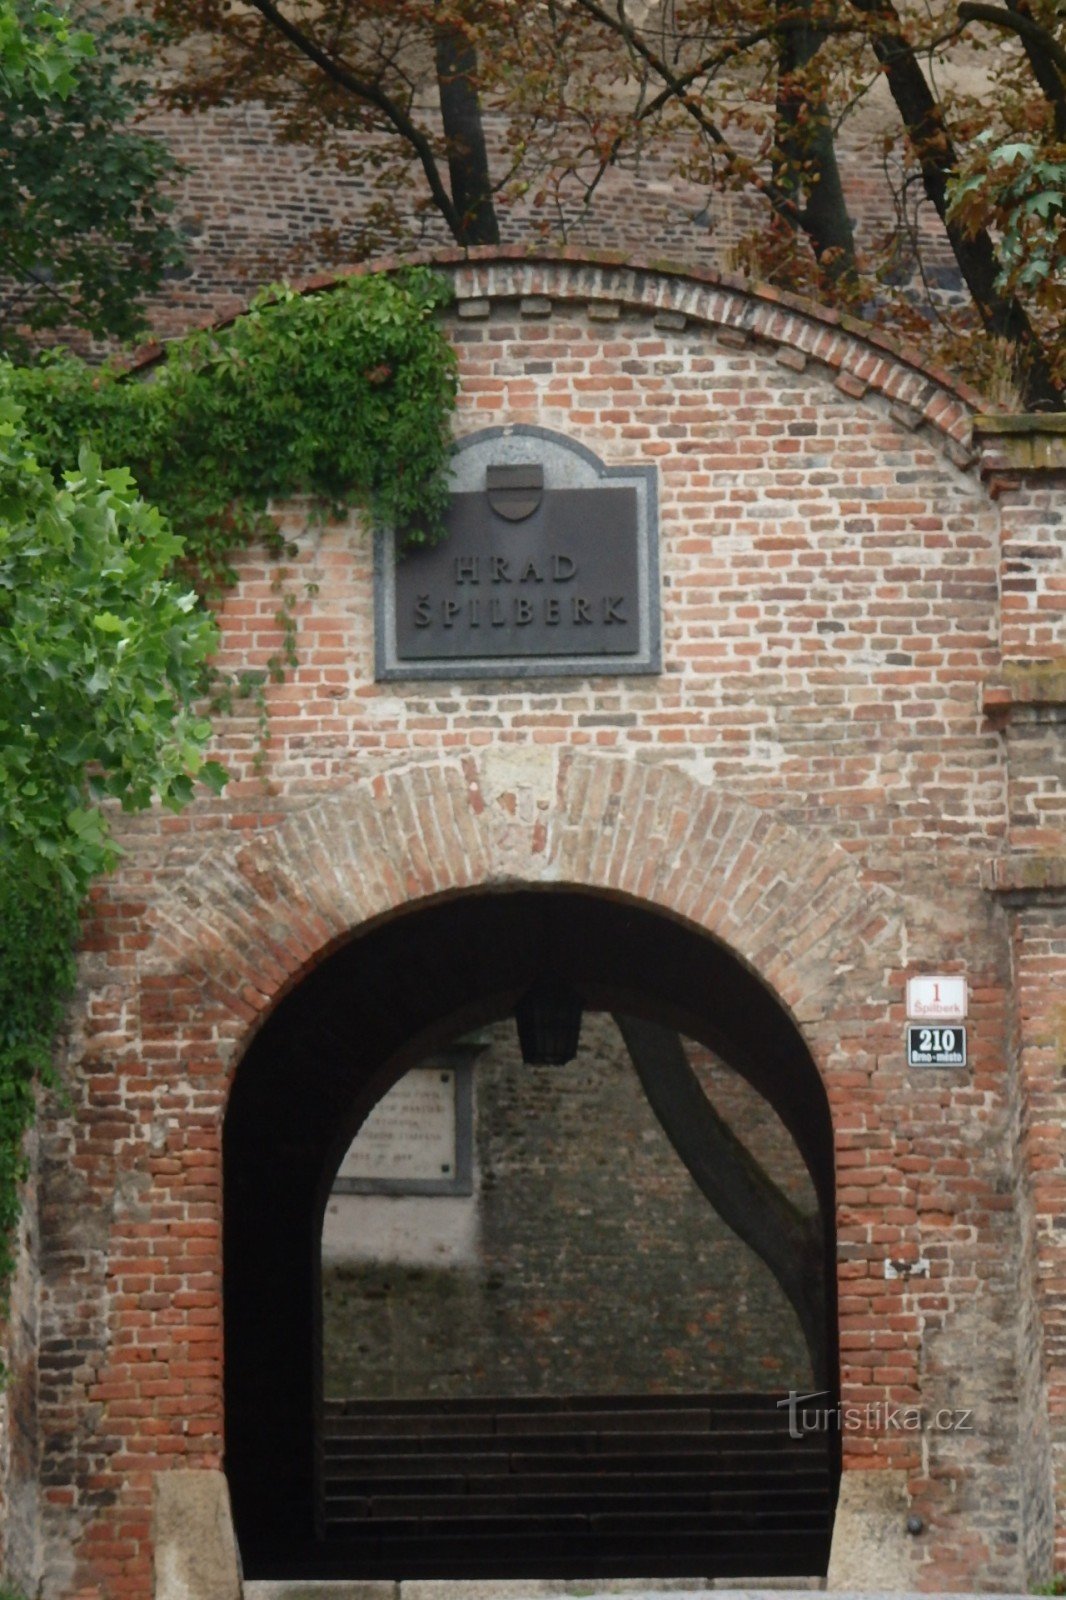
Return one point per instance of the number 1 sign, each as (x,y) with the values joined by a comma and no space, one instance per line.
(938,998)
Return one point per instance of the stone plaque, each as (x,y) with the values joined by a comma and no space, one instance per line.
(549,566)
(562,583)
(416,1140)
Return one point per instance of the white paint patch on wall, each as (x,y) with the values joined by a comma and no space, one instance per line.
(411,1230)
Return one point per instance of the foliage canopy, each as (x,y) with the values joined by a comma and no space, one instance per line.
(39,50)
(105,636)
(85,217)
(475,102)
(345,395)
(101,653)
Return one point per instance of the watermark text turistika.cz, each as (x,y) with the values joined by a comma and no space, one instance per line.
(805,1416)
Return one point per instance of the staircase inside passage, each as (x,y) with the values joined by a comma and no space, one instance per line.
(599,1486)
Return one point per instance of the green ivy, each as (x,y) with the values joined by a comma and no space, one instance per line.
(344,395)
(38,925)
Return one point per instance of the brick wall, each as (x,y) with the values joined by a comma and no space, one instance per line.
(19,1437)
(812,781)
(1026,701)
(255,209)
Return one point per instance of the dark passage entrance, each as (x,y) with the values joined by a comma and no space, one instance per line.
(510,1484)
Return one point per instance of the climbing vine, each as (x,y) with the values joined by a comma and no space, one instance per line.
(345,396)
(107,579)
(38,925)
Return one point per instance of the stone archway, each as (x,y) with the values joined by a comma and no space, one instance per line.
(257,915)
(368,806)
(792,918)
(346,1033)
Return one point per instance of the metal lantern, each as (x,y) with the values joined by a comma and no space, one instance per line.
(549,1023)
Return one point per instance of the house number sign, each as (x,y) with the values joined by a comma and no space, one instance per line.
(936,1046)
(937,998)
(549,566)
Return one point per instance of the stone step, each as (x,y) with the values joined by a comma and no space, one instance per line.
(522,1463)
(808,1480)
(721,1400)
(592,1588)
(637,1502)
(755,1588)
(578,1453)
(554,1551)
(680,1420)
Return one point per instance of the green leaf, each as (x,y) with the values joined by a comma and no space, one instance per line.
(214,776)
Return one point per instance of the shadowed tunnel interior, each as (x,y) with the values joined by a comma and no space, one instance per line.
(340,1039)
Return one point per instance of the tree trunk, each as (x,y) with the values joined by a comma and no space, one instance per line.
(1046,72)
(1002,315)
(744,1196)
(468,162)
(807,164)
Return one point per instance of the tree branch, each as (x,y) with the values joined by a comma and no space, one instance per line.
(744,1196)
(807,160)
(1046,56)
(795,22)
(677,89)
(1001,314)
(373,94)
(824,217)
(1017,22)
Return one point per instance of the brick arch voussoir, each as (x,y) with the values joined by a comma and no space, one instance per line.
(255,915)
(791,904)
(858,357)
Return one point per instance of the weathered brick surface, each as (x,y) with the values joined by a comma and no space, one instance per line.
(254,209)
(19,1434)
(1039,968)
(1027,702)
(595,1264)
(812,780)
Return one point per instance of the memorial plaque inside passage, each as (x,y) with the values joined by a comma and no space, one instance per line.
(549,565)
(411,1142)
(561,582)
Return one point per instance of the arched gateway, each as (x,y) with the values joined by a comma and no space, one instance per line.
(790,804)
(412,979)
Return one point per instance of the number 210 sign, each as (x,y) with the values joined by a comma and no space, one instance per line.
(936,1046)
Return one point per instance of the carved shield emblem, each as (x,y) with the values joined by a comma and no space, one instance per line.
(515,492)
